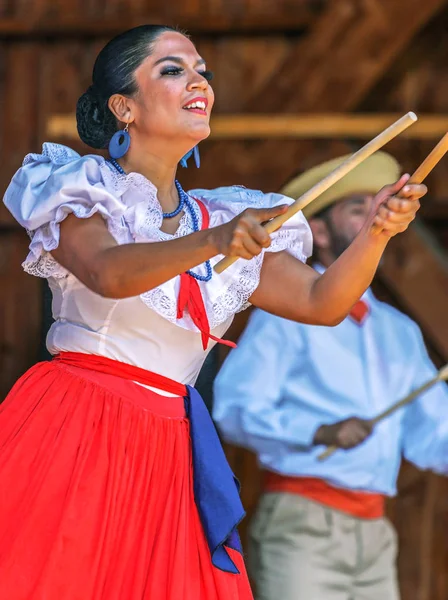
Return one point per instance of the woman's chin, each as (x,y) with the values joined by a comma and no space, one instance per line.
(208,132)
(199,133)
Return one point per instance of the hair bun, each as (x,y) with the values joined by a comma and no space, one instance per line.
(96,124)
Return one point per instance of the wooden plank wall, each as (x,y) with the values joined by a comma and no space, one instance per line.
(20,311)
(47,48)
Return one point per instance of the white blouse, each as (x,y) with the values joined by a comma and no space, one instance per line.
(142,330)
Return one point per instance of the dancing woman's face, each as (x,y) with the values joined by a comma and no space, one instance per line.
(174,98)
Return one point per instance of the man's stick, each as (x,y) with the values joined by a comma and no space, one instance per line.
(442,375)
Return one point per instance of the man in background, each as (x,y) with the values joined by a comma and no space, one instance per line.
(289,390)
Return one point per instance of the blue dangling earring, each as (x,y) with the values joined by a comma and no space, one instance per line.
(197,158)
(119,143)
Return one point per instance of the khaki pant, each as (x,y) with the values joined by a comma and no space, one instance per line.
(302,550)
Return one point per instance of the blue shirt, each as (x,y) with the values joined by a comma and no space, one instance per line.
(286,379)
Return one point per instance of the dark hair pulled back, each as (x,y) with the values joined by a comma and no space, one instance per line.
(113,73)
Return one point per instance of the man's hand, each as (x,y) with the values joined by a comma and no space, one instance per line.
(344,434)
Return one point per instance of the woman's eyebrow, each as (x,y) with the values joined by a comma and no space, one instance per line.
(177,60)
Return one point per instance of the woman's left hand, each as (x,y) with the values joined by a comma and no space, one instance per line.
(395,206)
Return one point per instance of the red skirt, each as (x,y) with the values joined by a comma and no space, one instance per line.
(96,494)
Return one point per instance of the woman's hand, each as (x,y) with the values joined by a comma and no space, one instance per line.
(327,299)
(395,206)
(244,236)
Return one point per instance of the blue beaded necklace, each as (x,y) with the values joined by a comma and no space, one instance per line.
(184,201)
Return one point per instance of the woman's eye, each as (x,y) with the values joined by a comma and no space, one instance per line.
(208,75)
(172,71)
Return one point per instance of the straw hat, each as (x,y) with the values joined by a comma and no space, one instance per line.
(369,177)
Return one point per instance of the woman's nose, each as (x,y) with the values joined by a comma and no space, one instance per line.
(197,82)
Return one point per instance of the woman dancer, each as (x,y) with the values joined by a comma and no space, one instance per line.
(113,485)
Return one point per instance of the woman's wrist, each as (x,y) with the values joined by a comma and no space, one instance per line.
(374,240)
(210,242)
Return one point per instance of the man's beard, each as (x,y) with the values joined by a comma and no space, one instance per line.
(338,241)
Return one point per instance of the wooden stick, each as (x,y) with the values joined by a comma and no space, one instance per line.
(322,186)
(420,174)
(442,375)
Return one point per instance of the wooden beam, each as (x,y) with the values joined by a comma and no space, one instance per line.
(346,52)
(80,26)
(327,126)
(415,269)
(311,126)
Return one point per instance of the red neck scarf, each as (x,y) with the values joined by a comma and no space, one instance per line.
(190,297)
(360,312)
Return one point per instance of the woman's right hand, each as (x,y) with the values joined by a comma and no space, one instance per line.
(244,236)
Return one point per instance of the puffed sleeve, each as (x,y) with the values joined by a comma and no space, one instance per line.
(47,188)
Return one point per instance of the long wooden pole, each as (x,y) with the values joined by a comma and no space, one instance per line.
(442,375)
(322,186)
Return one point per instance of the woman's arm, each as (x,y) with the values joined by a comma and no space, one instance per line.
(295,291)
(89,251)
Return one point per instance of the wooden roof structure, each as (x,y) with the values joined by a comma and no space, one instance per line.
(297,82)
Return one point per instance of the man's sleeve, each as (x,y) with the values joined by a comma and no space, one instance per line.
(250,409)
(426,421)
